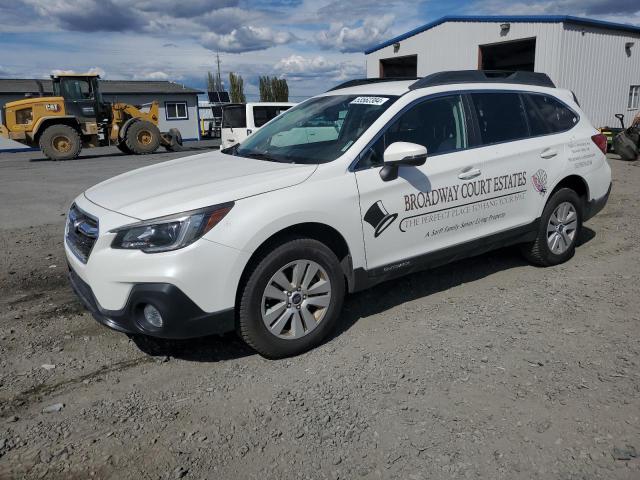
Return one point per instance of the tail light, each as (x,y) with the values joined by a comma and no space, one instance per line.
(601,142)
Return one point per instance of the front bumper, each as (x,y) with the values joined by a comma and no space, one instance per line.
(182,318)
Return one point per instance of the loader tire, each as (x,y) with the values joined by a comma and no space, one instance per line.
(122,146)
(142,137)
(60,142)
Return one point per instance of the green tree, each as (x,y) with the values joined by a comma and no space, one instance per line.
(266,92)
(236,88)
(273,89)
(280,89)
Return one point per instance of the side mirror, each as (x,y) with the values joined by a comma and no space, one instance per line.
(401,153)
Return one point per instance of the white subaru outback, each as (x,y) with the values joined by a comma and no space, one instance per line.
(369,181)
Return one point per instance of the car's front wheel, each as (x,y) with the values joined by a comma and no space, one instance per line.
(291,299)
(559,229)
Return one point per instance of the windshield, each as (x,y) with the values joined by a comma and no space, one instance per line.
(316,131)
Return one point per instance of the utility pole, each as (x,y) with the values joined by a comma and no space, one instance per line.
(219,86)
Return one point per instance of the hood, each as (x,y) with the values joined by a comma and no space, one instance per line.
(193,182)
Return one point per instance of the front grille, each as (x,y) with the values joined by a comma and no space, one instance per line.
(81,233)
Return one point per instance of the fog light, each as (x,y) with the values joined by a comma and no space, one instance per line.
(152,316)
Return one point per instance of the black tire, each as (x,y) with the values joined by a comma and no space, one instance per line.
(60,142)
(251,327)
(142,137)
(122,146)
(176,140)
(624,146)
(538,251)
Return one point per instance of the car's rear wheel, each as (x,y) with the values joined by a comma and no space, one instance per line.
(291,299)
(558,231)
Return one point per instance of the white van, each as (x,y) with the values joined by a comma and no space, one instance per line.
(239,120)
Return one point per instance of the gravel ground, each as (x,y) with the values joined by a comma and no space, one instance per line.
(487,368)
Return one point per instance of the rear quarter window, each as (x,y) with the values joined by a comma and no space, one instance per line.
(501,116)
(556,116)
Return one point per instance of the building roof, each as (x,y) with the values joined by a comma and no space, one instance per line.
(109,87)
(620,27)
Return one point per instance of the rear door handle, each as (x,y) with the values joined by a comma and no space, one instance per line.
(548,153)
(469,173)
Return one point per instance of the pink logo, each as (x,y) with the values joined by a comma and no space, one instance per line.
(539,180)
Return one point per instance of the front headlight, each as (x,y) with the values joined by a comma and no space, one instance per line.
(169,233)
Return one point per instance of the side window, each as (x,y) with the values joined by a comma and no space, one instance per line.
(537,125)
(76,89)
(554,113)
(176,110)
(438,124)
(501,117)
(234,116)
(261,116)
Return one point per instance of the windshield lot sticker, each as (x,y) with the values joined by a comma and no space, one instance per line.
(369,101)
(539,180)
(378,217)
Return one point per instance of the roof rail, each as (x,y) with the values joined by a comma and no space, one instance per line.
(366,81)
(483,76)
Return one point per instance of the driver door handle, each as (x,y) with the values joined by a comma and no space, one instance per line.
(548,153)
(468,174)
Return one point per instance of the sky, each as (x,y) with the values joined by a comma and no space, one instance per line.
(314,44)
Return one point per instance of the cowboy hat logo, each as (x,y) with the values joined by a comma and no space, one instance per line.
(378,217)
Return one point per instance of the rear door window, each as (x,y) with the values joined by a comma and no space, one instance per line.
(264,113)
(501,116)
(234,117)
(556,115)
(537,125)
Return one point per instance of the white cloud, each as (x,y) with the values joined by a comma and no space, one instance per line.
(355,38)
(225,20)
(91,71)
(157,75)
(296,67)
(245,39)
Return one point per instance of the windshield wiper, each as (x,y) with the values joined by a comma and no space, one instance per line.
(257,156)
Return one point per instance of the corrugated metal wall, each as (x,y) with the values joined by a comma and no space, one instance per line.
(597,68)
(594,65)
(454,46)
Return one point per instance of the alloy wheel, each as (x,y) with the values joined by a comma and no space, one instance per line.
(562,228)
(296,299)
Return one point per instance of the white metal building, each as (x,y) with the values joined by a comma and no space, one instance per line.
(599,61)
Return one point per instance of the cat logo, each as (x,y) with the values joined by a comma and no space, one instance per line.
(52,107)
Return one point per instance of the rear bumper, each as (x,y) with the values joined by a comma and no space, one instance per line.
(182,318)
(594,206)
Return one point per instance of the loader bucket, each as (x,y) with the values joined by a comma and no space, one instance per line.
(171,140)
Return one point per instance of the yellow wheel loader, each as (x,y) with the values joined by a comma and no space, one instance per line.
(76,116)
